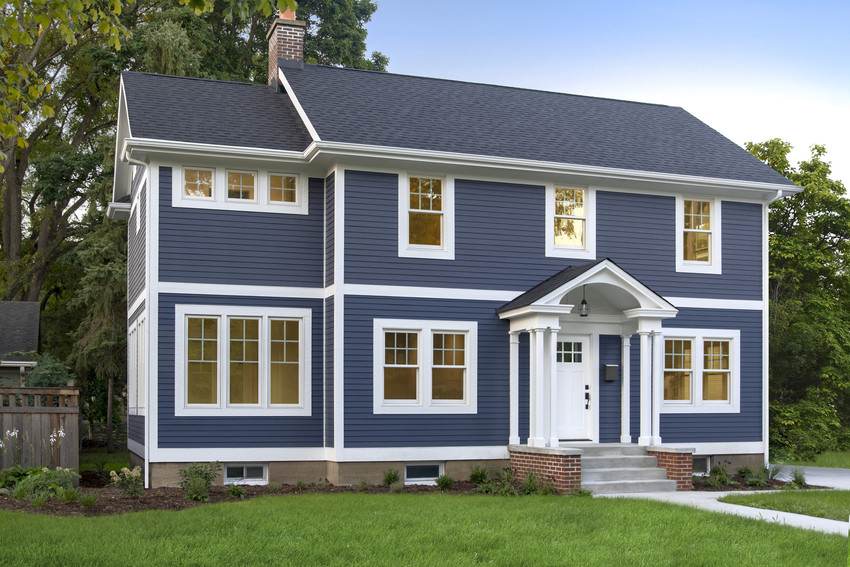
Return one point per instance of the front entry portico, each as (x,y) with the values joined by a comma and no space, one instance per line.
(564,359)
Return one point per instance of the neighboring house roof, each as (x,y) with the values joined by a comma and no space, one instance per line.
(19,322)
(204,111)
(385,109)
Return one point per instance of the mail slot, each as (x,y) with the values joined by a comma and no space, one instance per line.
(611,372)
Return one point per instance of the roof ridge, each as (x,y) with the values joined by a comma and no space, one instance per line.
(205,79)
(506,87)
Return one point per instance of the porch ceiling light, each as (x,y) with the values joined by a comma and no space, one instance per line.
(583,308)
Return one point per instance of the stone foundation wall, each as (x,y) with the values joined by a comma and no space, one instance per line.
(561,466)
(678,462)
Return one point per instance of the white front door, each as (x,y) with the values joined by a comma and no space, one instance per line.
(573,375)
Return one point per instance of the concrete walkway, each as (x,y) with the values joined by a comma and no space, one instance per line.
(833,478)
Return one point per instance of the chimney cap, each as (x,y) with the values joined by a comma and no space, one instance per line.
(287,14)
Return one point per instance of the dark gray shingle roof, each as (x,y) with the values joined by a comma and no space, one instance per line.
(212,112)
(18,327)
(549,285)
(366,107)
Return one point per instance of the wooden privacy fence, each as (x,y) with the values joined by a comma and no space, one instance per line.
(40,427)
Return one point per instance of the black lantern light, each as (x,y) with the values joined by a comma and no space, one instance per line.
(583,308)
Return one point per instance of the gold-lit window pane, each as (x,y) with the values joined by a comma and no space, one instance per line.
(401,348)
(284,339)
(697,246)
(697,215)
(449,349)
(197,182)
(202,360)
(569,232)
(400,383)
(715,386)
(244,383)
(426,229)
(677,386)
(447,383)
(202,383)
(240,185)
(569,202)
(244,361)
(284,383)
(282,188)
(426,194)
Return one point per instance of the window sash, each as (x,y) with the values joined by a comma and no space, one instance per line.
(696,232)
(425,212)
(700,371)
(198,183)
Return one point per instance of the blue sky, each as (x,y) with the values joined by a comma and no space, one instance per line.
(752,70)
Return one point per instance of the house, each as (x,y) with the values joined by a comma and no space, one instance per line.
(349,271)
(19,324)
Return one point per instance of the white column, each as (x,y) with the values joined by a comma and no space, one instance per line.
(645,388)
(553,388)
(657,385)
(532,387)
(541,420)
(625,396)
(514,390)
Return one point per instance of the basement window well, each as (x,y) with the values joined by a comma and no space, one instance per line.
(423,473)
(245,474)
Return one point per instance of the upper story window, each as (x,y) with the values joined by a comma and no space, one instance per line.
(698,235)
(426,217)
(242,360)
(570,222)
(701,371)
(425,366)
(239,190)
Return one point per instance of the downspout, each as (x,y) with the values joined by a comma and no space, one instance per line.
(766,326)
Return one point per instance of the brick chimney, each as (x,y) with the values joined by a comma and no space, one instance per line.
(286,42)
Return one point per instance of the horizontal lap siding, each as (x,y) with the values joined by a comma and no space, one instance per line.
(136,428)
(638,232)
(365,429)
(241,247)
(330,206)
(329,372)
(136,242)
(730,427)
(235,431)
(609,392)
(136,314)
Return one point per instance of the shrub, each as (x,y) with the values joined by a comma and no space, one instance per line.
(275,487)
(445,482)
(391,476)
(504,485)
(12,476)
(746,473)
(129,481)
(196,481)
(235,491)
(88,498)
(300,484)
(323,484)
(719,477)
(798,478)
(531,484)
(396,487)
(67,495)
(46,480)
(478,475)
(774,471)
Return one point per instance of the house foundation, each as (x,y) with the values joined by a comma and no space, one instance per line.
(678,463)
(561,466)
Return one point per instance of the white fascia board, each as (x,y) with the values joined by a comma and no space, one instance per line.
(121,170)
(430,292)
(732,448)
(118,211)
(344,149)
(297,104)
(150,145)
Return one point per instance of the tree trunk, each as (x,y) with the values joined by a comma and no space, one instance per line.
(110,448)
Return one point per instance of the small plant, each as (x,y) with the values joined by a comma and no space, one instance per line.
(67,495)
(396,487)
(38,499)
(746,473)
(363,485)
(445,482)
(12,476)
(719,477)
(505,483)
(300,485)
(531,484)
(391,476)
(19,492)
(275,487)
(235,491)
(478,476)
(323,485)
(129,481)
(774,471)
(46,480)
(582,492)
(196,481)
(798,478)
(548,488)
(88,498)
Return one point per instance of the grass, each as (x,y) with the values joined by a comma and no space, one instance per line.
(103,461)
(830,504)
(404,529)
(831,459)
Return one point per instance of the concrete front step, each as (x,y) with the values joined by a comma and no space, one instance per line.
(630,486)
(608,449)
(618,462)
(622,474)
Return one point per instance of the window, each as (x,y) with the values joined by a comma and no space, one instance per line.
(698,235)
(244,474)
(569,352)
(701,370)
(425,366)
(570,222)
(423,473)
(426,217)
(136,354)
(242,360)
(244,190)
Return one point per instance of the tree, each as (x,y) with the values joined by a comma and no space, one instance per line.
(809,294)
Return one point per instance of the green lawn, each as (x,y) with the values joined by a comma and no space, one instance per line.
(831,504)
(96,461)
(363,529)
(832,459)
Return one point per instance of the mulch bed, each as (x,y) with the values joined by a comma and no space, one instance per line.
(701,485)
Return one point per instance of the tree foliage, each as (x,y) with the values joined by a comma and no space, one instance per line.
(809,295)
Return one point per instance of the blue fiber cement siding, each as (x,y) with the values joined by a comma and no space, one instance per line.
(330,208)
(329,372)
(241,247)
(609,392)
(365,429)
(235,431)
(136,428)
(136,240)
(500,240)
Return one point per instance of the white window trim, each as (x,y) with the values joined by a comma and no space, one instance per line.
(424,403)
(136,367)
(424,481)
(715,265)
(219,200)
(697,404)
(243,481)
(588,252)
(181,408)
(407,250)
